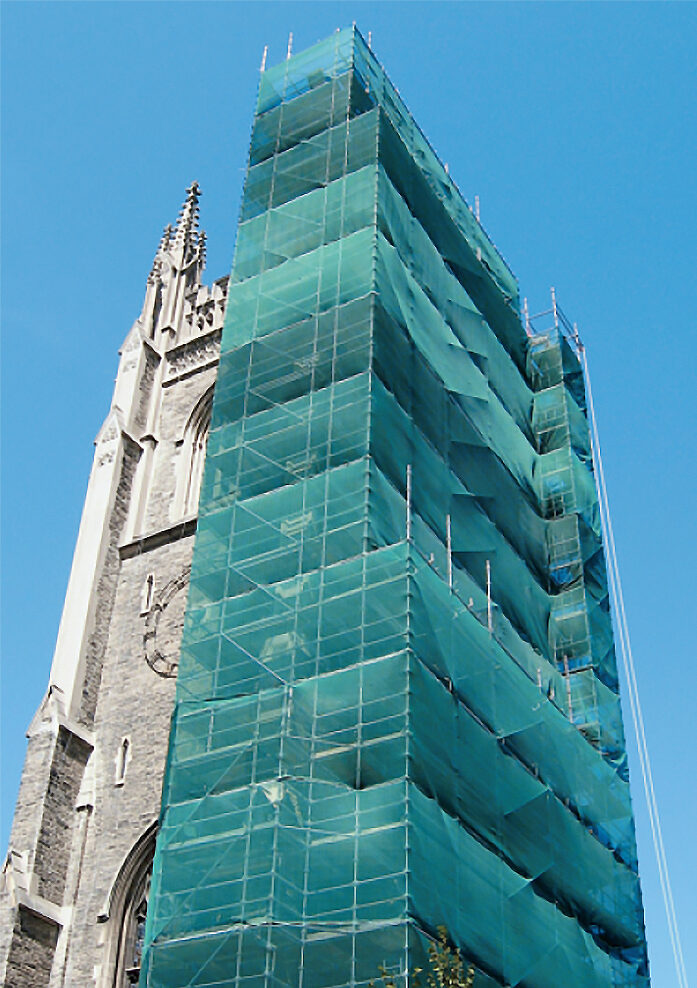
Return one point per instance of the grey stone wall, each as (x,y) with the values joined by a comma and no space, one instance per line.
(70,754)
(145,386)
(33,786)
(135,702)
(31,954)
(106,587)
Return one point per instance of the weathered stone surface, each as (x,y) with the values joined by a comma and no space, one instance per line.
(134,702)
(106,588)
(31,953)
(70,754)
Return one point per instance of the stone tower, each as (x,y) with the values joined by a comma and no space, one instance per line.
(75,883)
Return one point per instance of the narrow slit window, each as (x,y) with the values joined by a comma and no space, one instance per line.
(148,591)
(122,761)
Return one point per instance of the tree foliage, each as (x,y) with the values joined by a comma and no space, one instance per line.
(446,968)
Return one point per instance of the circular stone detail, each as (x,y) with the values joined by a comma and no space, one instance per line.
(163,627)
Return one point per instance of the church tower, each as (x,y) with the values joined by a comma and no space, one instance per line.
(397,704)
(76,878)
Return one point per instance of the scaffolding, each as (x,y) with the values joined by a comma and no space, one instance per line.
(397,704)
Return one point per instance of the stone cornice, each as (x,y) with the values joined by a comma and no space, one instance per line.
(192,355)
(163,536)
(45,910)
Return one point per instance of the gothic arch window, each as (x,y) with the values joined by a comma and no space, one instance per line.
(133,935)
(126,912)
(194,452)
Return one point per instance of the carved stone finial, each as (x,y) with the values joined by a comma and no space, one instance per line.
(166,239)
(201,249)
(162,248)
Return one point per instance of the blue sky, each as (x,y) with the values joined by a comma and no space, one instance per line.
(575,124)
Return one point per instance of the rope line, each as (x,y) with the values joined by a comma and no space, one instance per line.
(634,702)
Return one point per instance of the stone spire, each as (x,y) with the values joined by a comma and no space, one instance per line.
(176,270)
(186,233)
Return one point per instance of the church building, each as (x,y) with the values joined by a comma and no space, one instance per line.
(336,667)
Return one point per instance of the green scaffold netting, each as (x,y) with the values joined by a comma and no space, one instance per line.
(368,744)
